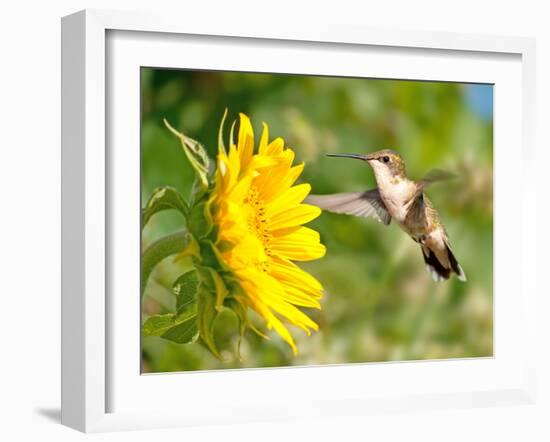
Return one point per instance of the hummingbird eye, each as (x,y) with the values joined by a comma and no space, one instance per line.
(385,159)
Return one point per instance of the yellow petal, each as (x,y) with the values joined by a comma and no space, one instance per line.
(304,233)
(232,168)
(280,180)
(246,141)
(292,175)
(274,322)
(289,198)
(262,162)
(274,297)
(299,297)
(295,216)
(275,147)
(290,273)
(298,247)
(240,190)
(263,140)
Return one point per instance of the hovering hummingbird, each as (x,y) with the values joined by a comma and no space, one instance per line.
(402,199)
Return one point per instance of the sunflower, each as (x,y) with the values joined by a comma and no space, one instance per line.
(260,215)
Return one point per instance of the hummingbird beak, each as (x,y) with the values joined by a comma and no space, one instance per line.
(348,155)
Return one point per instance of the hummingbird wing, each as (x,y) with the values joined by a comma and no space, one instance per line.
(368,204)
(436,175)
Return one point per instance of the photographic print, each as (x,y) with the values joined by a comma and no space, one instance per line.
(295,220)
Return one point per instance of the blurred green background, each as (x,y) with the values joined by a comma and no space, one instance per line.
(380,304)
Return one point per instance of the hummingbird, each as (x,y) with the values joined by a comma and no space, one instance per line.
(404,200)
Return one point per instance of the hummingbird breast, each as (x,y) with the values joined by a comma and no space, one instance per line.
(397,195)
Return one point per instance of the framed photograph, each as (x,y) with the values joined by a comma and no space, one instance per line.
(270,223)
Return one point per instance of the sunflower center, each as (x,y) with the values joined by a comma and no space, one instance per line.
(257,221)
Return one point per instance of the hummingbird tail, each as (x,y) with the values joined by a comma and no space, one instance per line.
(455,265)
(437,270)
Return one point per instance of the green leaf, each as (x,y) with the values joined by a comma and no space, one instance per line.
(184,333)
(163,198)
(185,288)
(219,288)
(242,317)
(207,315)
(181,328)
(196,154)
(235,302)
(225,246)
(231,137)
(156,325)
(198,191)
(221,145)
(211,256)
(180,243)
(200,220)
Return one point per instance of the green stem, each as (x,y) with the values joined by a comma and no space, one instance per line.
(160,249)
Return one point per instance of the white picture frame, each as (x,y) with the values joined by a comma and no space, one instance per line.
(91,352)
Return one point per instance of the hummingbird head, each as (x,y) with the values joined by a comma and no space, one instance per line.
(386,164)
